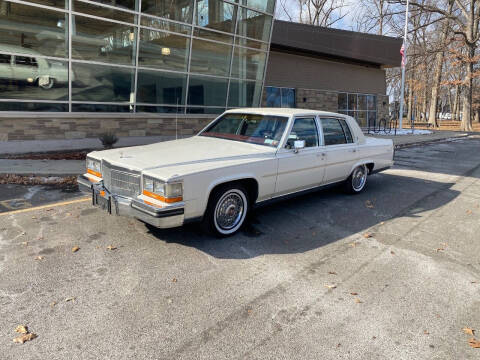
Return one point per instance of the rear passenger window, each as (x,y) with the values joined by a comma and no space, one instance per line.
(346,130)
(4,59)
(334,133)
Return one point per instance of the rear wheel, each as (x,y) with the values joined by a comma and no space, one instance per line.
(227,209)
(357,181)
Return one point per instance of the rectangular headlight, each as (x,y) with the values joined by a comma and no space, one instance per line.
(166,192)
(94,167)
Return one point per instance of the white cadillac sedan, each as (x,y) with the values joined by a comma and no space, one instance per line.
(244,158)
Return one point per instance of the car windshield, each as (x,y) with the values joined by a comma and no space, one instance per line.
(250,128)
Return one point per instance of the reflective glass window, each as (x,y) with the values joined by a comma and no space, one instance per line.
(213,35)
(101,108)
(342,101)
(208,91)
(210,58)
(244,93)
(248,63)
(103,41)
(163,50)
(155,87)
(32,77)
(216,14)
(352,102)
(362,102)
(123,4)
(101,83)
(161,24)
(251,43)
(372,102)
(60,4)
(33,106)
(178,10)
(254,25)
(346,130)
(160,109)
(33,30)
(204,110)
(104,12)
(274,97)
(288,98)
(262,5)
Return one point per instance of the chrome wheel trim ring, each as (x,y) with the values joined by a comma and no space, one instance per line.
(359,178)
(230,211)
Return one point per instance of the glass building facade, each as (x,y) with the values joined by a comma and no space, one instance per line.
(150,56)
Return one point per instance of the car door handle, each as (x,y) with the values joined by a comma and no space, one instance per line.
(322,154)
(354,150)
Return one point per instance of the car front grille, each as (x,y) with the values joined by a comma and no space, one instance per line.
(120,181)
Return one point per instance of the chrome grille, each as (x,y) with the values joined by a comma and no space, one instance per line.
(119,181)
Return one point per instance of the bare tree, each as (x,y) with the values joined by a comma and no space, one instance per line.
(439,63)
(321,12)
(465,18)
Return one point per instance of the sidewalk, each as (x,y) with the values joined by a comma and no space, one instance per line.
(75,167)
(411,140)
(42,167)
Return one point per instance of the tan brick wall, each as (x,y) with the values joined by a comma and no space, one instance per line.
(44,127)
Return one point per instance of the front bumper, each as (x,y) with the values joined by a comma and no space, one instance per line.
(164,217)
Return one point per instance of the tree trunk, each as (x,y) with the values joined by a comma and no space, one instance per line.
(477,116)
(456,103)
(437,77)
(468,92)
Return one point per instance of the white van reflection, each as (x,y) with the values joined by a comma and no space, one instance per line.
(31,69)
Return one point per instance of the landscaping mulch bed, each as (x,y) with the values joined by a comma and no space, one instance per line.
(68,155)
(70,181)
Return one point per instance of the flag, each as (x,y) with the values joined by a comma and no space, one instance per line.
(404,58)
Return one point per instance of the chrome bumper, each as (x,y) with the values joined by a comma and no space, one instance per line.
(166,217)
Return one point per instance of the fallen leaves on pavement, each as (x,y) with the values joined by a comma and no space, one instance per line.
(426,332)
(474,343)
(392,252)
(23,338)
(53,303)
(469,331)
(358,301)
(174,280)
(354,293)
(111,247)
(69,299)
(39,257)
(354,244)
(26,335)
(332,273)
(22,329)
(330,286)
(439,249)
(367,235)
(75,249)
(369,204)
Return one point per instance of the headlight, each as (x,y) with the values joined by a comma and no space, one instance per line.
(94,167)
(166,192)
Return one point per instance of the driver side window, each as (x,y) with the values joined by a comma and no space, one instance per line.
(303,129)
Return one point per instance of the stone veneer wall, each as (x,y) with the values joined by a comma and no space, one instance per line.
(328,101)
(51,126)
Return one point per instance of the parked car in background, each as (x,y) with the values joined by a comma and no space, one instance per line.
(243,158)
(26,67)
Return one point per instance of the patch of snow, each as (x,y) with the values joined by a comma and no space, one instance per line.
(406,132)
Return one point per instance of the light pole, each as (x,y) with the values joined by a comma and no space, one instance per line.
(403,51)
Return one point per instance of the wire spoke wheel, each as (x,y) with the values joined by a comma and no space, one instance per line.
(229,210)
(359,178)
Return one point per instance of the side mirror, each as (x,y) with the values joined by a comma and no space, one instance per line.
(298,145)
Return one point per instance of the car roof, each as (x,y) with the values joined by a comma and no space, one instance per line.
(282,112)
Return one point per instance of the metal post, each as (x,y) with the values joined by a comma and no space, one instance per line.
(403,67)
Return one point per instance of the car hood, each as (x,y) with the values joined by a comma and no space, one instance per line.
(194,150)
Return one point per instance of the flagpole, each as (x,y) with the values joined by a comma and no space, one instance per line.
(404,63)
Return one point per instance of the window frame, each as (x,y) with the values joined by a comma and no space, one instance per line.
(298,117)
(321,118)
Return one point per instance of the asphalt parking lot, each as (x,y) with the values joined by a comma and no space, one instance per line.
(393,273)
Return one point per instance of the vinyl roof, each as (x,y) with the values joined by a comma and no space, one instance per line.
(334,43)
(281,112)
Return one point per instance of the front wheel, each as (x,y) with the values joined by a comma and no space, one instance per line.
(49,85)
(357,181)
(227,209)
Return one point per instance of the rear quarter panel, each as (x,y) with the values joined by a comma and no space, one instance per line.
(376,151)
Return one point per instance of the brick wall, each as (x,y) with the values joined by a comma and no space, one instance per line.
(88,126)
